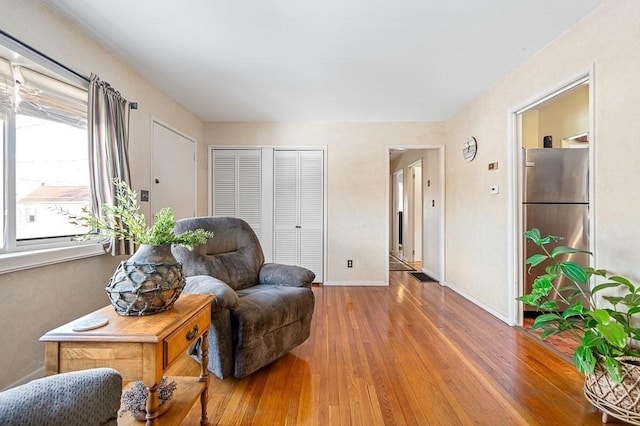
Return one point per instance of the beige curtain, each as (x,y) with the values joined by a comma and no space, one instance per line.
(108,123)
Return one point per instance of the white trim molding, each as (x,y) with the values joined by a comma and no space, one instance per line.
(21,260)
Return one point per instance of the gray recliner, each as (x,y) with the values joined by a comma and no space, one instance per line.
(80,398)
(261,311)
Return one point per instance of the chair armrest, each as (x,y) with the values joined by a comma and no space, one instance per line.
(226,297)
(286,275)
(76,398)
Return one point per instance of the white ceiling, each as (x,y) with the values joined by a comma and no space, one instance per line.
(324,60)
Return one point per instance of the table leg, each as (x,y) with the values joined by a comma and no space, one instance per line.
(153,405)
(204,377)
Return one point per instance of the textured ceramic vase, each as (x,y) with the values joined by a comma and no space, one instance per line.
(147,283)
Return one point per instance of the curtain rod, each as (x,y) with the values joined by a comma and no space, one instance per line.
(132,105)
(47,57)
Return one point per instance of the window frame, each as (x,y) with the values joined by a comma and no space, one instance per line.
(24,254)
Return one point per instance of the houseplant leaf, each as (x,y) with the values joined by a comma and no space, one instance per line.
(603,286)
(574,272)
(542,286)
(613,368)
(557,251)
(584,360)
(544,320)
(535,260)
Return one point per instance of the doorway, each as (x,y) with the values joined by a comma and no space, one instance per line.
(551,135)
(416,234)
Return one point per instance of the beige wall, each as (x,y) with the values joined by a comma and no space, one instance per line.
(561,117)
(357,182)
(39,299)
(566,116)
(479,225)
(478,233)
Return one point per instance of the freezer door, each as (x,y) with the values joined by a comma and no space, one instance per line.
(570,221)
(556,175)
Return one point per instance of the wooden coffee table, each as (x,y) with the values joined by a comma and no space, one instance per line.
(140,348)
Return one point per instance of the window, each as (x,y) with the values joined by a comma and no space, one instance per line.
(44,155)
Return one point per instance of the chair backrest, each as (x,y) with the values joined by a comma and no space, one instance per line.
(233,255)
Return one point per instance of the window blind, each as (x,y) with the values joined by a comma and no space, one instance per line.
(46,97)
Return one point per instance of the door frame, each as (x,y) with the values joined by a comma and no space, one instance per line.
(415,235)
(515,246)
(441,149)
(397,202)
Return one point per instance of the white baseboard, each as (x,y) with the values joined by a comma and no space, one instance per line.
(475,301)
(38,374)
(357,283)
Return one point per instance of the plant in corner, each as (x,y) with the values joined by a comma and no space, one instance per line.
(605,327)
(152,279)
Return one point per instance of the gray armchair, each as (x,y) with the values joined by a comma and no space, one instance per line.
(80,398)
(261,311)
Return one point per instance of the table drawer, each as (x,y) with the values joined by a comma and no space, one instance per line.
(181,339)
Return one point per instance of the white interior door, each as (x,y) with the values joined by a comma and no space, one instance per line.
(237,186)
(398,203)
(416,207)
(285,209)
(173,172)
(299,209)
(311,211)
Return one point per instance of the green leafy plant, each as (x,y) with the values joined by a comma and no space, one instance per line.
(604,333)
(124,221)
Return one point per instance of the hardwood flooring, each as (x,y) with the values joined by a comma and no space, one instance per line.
(408,354)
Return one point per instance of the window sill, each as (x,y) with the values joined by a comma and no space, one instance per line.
(18,261)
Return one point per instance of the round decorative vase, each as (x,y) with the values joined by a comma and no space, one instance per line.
(620,400)
(147,283)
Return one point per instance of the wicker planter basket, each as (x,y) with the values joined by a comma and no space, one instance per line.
(620,400)
(147,283)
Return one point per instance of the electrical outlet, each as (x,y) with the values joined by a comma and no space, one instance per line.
(144,195)
(349,263)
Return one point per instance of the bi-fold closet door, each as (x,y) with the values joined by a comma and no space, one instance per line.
(237,185)
(280,193)
(298,209)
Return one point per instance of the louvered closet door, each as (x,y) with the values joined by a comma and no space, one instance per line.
(237,185)
(285,211)
(311,211)
(298,209)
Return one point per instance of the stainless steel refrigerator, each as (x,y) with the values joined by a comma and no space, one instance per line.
(556,201)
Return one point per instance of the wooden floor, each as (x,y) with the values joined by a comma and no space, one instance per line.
(408,354)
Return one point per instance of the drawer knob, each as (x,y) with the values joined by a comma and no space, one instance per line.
(192,333)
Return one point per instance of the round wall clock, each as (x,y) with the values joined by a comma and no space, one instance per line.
(469,149)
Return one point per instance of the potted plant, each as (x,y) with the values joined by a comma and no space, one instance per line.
(605,327)
(151,280)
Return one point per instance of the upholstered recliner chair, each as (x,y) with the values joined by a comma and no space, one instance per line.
(78,398)
(261,311)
